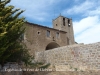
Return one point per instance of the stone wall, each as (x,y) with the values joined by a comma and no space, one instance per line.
(72,57)
(36,37)
(65,73)
(11,68)
(65,24)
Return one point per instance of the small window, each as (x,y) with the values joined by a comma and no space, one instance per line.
(53,39)
(57,34)
(48,33)
(56,24)
(38,33)
(64,21)
(68,22)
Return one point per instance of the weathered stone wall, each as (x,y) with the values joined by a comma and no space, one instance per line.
(11,68)
(58,23)
(64,73)
(72,57)
(36,37)
(56,73)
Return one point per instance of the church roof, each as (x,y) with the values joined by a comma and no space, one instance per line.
(44,27)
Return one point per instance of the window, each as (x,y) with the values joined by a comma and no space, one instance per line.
(38,33)
(64,21)
(56,24)
(53,39)
(68,22)
(57,34)
(48,33)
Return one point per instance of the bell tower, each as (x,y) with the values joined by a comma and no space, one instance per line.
(65,24)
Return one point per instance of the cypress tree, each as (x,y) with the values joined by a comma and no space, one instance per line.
(11,29)
(12,48)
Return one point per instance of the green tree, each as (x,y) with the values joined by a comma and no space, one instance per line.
(11,29)
(12,48)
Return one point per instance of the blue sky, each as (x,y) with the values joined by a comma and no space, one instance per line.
(84,13)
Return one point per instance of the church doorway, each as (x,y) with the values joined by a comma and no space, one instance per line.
(52,45)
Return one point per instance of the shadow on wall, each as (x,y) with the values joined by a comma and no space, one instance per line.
(52,45)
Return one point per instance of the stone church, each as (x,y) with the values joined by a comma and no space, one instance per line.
(40,38)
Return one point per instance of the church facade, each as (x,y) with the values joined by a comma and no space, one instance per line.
(40,38)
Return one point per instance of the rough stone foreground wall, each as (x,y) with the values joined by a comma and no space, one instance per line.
(11,68)
(65,73)
(11,73)
(83,57)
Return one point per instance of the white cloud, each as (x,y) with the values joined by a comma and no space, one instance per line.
(90,36)
(81,8)
(85,23)
(35,9)
(96,11)
(87,30)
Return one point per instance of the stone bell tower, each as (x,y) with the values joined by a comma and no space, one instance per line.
(65,24)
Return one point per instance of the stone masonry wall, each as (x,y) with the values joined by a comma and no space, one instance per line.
(11,68)
(35,35)
(72,57)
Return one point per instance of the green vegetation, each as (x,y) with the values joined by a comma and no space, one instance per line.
(12,49)
(76,69)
